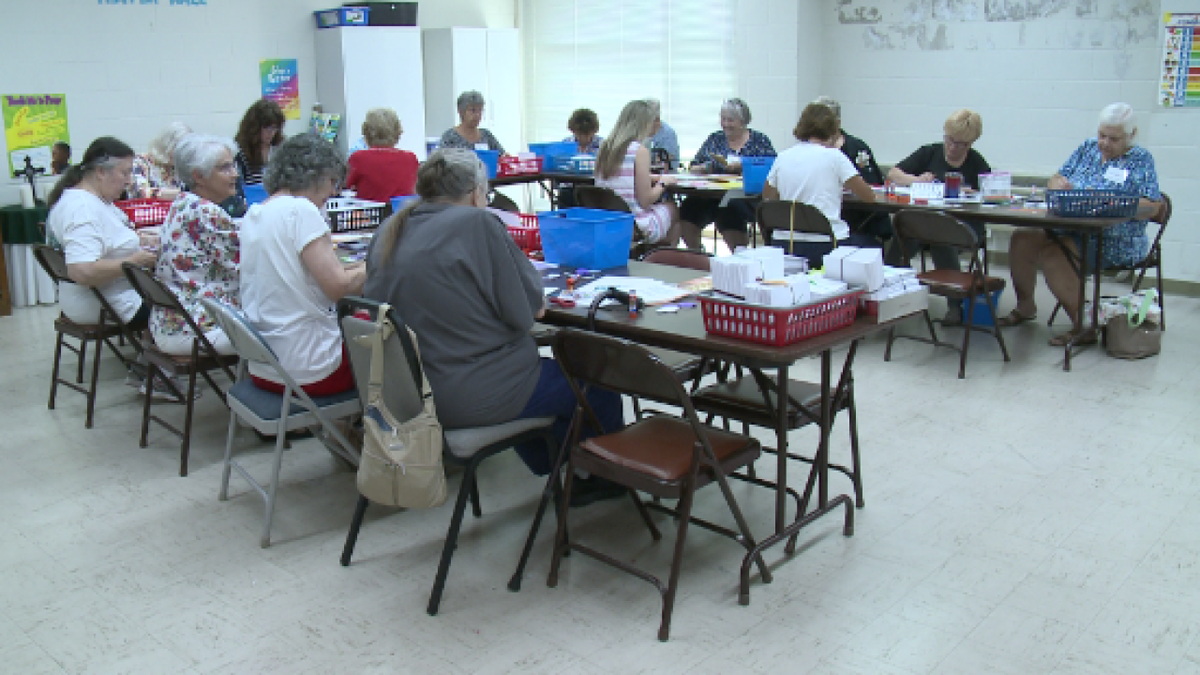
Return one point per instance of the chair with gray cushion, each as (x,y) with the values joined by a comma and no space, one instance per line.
(271,413)
(466,448)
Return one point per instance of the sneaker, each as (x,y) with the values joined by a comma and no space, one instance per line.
(164,394)
(586,491)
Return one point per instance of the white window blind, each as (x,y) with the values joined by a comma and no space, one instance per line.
(602,54)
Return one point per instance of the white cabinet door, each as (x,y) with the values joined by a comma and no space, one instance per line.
(383,70)
(504,87)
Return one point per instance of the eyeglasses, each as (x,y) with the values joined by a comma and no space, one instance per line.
(953,142)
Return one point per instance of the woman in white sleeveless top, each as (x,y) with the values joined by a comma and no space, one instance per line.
(624,167)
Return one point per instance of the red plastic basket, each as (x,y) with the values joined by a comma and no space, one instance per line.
(511,165)
(527,235)
(777,326)
(148,212)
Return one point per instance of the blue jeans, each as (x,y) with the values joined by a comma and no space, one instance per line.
(553,398)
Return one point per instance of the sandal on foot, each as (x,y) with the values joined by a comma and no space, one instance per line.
(1086,337)
(1014,318)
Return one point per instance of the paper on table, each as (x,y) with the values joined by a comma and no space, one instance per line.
(651,291)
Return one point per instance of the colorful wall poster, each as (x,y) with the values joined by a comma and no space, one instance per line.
(281,84)
(32,123)
(1181,61)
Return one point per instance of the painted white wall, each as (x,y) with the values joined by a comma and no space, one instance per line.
(1037,71)
(129,69)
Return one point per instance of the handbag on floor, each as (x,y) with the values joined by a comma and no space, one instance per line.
(401,462)
(1131,334)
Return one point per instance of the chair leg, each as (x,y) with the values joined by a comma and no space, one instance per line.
(227,467)
(360,510)
(460,506)
(1057,306)
(560,539)
(553,490)
(856,468)
(966,345)
(273,488)
(887,353)
(929,323)
(1162,304)
(664,629)
(82,360)
(91,397)
(58,345)
(645,513)
(146,405)
(187,424)
(475,508)
(996,327)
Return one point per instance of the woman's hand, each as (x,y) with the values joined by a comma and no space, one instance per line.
(143,259)
(1059,182)
(926,177)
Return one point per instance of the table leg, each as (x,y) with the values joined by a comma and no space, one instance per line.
(821,461)
(781,457)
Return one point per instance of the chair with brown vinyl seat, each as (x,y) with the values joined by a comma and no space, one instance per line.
(664,456)
(203,360)
(101,333)
(917,228)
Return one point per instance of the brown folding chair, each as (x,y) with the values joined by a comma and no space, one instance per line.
(793,216)
(503,202)
(203,360)
(918,228)
(1153,259)
(667,457)
(102,333)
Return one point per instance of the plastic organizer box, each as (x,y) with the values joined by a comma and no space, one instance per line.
(145,212)
(777,326)
(510,165)
(527,235)
(1091,203)
(589,238)
(342,16)
(347,214)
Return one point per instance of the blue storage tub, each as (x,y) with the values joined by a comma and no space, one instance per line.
(399,202)
(544,150)
(754,173)
(491,159)
(979,307)
(589,238)
(255,194)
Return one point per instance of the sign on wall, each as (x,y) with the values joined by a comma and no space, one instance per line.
(1181,61)
(281,84)
(32,123)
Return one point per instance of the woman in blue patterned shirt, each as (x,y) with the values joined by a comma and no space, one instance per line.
(1110,161)
(721,153)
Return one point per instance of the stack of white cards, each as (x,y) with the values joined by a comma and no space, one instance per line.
(731,274)
(824,287)
(896,281)
(787,292)
(856,266)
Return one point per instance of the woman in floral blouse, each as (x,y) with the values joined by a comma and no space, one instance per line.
(200,248)
(1108,161)
(722,153)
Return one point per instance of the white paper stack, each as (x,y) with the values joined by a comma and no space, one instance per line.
(896,281)
(824,287)
(833,261)
(864,267)
(732,273)
(794,265)
(787,292)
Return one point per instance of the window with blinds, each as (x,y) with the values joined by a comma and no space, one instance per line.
(602,54)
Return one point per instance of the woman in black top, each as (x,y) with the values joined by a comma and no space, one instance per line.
(261,129)
(721,153)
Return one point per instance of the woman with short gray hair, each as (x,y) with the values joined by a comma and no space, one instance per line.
(447,251)
(200,249)
(468,134)
(291,279)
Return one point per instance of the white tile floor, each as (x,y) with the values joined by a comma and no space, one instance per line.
(1024,520)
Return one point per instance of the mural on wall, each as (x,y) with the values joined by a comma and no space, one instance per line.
(946,25)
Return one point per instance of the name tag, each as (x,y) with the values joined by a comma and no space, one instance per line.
(732,159)
(481,146)
(1114,175)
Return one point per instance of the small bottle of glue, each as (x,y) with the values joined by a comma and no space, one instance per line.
(570,292)
(633,305)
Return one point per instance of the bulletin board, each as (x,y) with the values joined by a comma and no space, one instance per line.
(1180,84)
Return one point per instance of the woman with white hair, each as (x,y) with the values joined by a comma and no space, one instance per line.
(447,251)
(1110,161)
(468,134)
(153,172)
(722,153)
(200,248)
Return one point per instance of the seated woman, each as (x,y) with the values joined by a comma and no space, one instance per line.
(382,171)
(291,279)
(154,173)
(96,238)
(467,134)
(624,167)
(722,153)
(481,362)
(1109,161)
(260,131)
(814,172)
(583,126)
(867,221)
(200,248)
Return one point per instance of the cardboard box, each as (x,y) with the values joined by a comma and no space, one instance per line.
(901,305)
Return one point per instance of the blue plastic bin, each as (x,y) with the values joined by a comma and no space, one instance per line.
(491,159)
(399,202)
(754,173)
(588,238)
(255,194)
(556,148)
(982,315)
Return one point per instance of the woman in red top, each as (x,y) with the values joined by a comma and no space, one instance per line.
(382,171)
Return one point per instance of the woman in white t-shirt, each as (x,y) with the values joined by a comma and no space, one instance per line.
(814,172)
(290,277)
(96,238)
